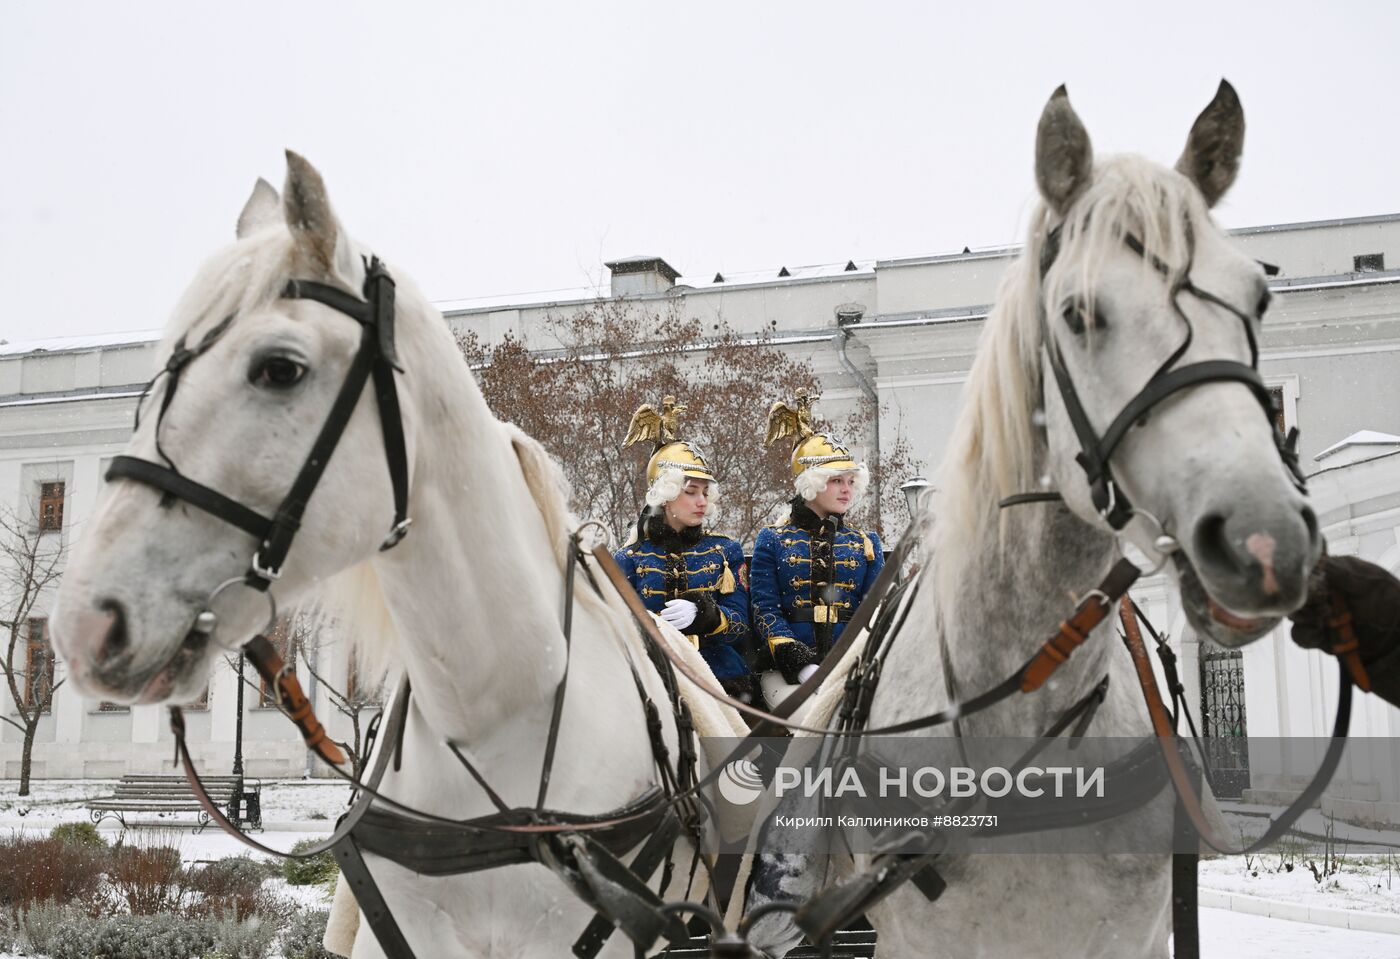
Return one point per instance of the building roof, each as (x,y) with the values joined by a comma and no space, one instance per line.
(72,344)
(1360,438)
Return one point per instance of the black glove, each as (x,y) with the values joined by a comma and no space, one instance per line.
(739,687)
(707,614)
(1372,596)
(790,657)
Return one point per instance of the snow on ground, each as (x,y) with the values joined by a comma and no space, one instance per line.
(1233,935)
(55,801)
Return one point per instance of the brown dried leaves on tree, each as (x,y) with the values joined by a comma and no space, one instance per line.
(576,384)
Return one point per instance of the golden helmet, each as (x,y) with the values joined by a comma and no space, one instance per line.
(812,447)
(670,452)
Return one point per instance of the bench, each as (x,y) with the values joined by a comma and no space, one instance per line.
(171,795)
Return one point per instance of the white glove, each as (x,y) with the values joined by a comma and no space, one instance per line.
(805,672)
(680,613)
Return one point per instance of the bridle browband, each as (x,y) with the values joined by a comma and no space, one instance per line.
(376,357)
(1095,450)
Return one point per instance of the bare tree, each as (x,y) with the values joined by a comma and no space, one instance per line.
(611,357)
(31,561)
(308,636)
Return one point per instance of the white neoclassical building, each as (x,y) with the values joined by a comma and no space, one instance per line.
(898,332)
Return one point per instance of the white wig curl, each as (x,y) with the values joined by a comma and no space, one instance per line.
(668,485)
(811,481)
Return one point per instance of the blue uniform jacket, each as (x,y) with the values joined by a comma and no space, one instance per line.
(708,571)
(781,580)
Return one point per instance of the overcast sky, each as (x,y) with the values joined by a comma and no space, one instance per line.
(510,147)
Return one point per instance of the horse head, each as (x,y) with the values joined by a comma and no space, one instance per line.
(251,372)
(1145,345)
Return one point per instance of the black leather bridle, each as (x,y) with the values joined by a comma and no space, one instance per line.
(376,357)
(1095,450)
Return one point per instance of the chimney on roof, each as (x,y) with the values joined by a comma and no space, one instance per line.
(641,275)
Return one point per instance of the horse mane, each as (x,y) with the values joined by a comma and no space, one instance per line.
(993,451)
(236,280)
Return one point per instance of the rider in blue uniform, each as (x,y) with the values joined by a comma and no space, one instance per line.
(810,570)
(692,578)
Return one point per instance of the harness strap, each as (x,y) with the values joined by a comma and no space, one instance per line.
(658,847)
(1092,610)
(199,496)
(371,901)
(1183,779)
(367,789)
(556,715)
(1186,933)
(1346,647)
(275,672)
(268,561)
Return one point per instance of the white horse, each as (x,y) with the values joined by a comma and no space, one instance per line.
(1204,463)
(469,605)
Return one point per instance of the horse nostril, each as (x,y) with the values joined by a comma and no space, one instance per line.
(1212,547)
(1310,521)
(116,640)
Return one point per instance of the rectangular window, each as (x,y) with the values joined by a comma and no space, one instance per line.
(51,506)
(281,639)
(1368,263)
(354,688)
(38,665)
(1276,394)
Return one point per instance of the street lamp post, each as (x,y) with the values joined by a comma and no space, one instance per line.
(913,489)
(236,802)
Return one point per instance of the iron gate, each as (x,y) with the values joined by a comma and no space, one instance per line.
(1223,722)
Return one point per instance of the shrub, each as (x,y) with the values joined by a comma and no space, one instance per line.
(79,834)
(245,938)
(42,926)
(309,872)
(67,934)
(38,870)
(234,888)
(301,939)
(148,878)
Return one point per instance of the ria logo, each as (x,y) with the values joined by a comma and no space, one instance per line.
(740,783)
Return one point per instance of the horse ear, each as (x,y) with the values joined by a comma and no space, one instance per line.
(1064,160)
(1212,155)
(261,209)
(308,212)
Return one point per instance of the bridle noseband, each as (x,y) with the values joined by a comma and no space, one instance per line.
(376,357)
(1095,450)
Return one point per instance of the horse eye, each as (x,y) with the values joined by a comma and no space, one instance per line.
(276,372)
(1074,316)
(1265,299)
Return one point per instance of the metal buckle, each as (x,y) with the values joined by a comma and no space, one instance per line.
(206,622)
(1112,503)
(821,613)
(396,534)
(268,573)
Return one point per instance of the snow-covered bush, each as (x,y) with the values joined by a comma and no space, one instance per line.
(301,939)
(309,872)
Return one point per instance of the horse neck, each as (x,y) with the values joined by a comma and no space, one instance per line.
(1012,593)
(475,590)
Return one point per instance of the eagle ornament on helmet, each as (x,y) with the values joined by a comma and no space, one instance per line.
(670,452)
(813,449)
